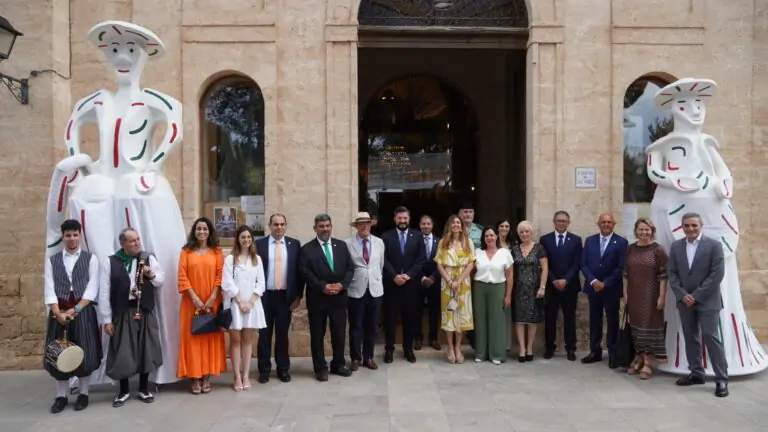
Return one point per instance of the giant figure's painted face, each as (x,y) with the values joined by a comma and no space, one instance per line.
(125,56)
(689,109)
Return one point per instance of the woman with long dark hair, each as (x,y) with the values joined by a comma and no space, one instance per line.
(243,284)
(200,269)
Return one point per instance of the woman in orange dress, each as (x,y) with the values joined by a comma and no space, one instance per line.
(200,268)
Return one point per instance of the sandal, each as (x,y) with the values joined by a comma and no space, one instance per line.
(238,386)
(195,386)
(646,372)
(206,385)
(459,357)
(636,365)
(246,384)
(451,356)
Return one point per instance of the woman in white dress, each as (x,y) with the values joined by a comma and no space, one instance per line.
(243,285)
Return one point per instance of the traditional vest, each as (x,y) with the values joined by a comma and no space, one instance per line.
(80,276)
(120,287)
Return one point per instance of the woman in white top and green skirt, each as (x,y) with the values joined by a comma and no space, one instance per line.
(492,293)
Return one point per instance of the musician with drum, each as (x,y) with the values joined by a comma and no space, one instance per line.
(128,282)
(72,339)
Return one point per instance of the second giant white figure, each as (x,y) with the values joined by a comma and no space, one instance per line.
(125,187)
(692,177)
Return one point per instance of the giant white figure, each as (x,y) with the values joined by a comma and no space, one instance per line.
(125,187)
(692,177)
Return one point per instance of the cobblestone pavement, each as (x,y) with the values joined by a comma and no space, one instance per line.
(553,395)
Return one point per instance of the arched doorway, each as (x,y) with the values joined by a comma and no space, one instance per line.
(417,148)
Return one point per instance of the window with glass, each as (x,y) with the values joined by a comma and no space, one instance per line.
(643,123)
(232,127)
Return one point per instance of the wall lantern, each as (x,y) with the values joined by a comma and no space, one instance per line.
(18,87)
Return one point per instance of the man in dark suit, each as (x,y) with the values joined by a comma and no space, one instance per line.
(564,254)
(284,289)
(430,283)
(602,263)
(404,258)
(328,269)
(696,270)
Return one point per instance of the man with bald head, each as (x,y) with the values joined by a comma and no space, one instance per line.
(602,264)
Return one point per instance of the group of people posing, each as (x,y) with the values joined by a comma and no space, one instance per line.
(468,277)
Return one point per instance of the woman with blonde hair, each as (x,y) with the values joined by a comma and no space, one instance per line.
(531,267)
(645,288)
(243,285)
(455,260)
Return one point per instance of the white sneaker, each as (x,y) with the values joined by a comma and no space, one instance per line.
(496,362)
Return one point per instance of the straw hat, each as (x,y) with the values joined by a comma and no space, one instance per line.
(363,217)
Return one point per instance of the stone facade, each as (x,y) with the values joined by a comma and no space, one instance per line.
(581,57)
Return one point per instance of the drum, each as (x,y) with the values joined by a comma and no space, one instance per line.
(64,356)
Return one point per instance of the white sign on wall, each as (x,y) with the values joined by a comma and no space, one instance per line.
(585,177)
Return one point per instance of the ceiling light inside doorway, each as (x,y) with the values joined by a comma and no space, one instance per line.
(442,4)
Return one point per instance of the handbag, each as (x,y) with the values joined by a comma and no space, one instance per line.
(204,323)
(453,304)
(224,316)
(625,348)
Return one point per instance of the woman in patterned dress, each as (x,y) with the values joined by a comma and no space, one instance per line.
(645,288)
(530,260)
(455,260)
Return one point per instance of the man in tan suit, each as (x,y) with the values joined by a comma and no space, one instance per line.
(365,292)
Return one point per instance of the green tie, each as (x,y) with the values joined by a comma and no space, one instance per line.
(328,255)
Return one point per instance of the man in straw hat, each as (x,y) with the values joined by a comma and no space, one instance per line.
(365,292)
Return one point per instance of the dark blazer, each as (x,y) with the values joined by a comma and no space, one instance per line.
(701,280)
(564,261)
(430,266)
(294,282)
(607,269)
(411,262)
(316,272)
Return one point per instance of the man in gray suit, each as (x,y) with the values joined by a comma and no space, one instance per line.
(695,271)
(365,291)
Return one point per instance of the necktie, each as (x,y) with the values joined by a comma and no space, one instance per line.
(366,256)
(278,276)
(428,246)
(559,240)
(402,242)
(603,244)
(328,255)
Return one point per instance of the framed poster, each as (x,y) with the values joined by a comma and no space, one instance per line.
(225,218)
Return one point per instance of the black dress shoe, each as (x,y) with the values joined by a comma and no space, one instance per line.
(354,365)
(417,345)
(145,396)
(410,357)
(521,359)
(342,372)
(721,389)
(263,378)
(529,358)
(283,376)
(612,362)
(321,375)
(571,356)
(592,358)
(58,405)
(81,403)
(548,354)
(388,357)
(690,379)
(436,345)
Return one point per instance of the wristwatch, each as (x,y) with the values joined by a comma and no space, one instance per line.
(78,309)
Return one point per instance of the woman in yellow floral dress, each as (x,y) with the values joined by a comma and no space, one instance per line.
(455,259)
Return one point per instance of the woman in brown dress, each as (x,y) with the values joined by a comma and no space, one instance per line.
(645,288)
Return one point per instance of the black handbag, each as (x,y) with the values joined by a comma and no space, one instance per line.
(224,316)
(625,349)
(204,323)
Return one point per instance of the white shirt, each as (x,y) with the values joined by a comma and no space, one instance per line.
(690,249)
(492,270)
(557,237)
(91,290)
(105,292)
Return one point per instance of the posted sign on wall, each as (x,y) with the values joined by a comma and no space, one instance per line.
(585,177)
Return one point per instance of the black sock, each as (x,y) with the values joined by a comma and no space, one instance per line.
(144,382)
(124,386)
